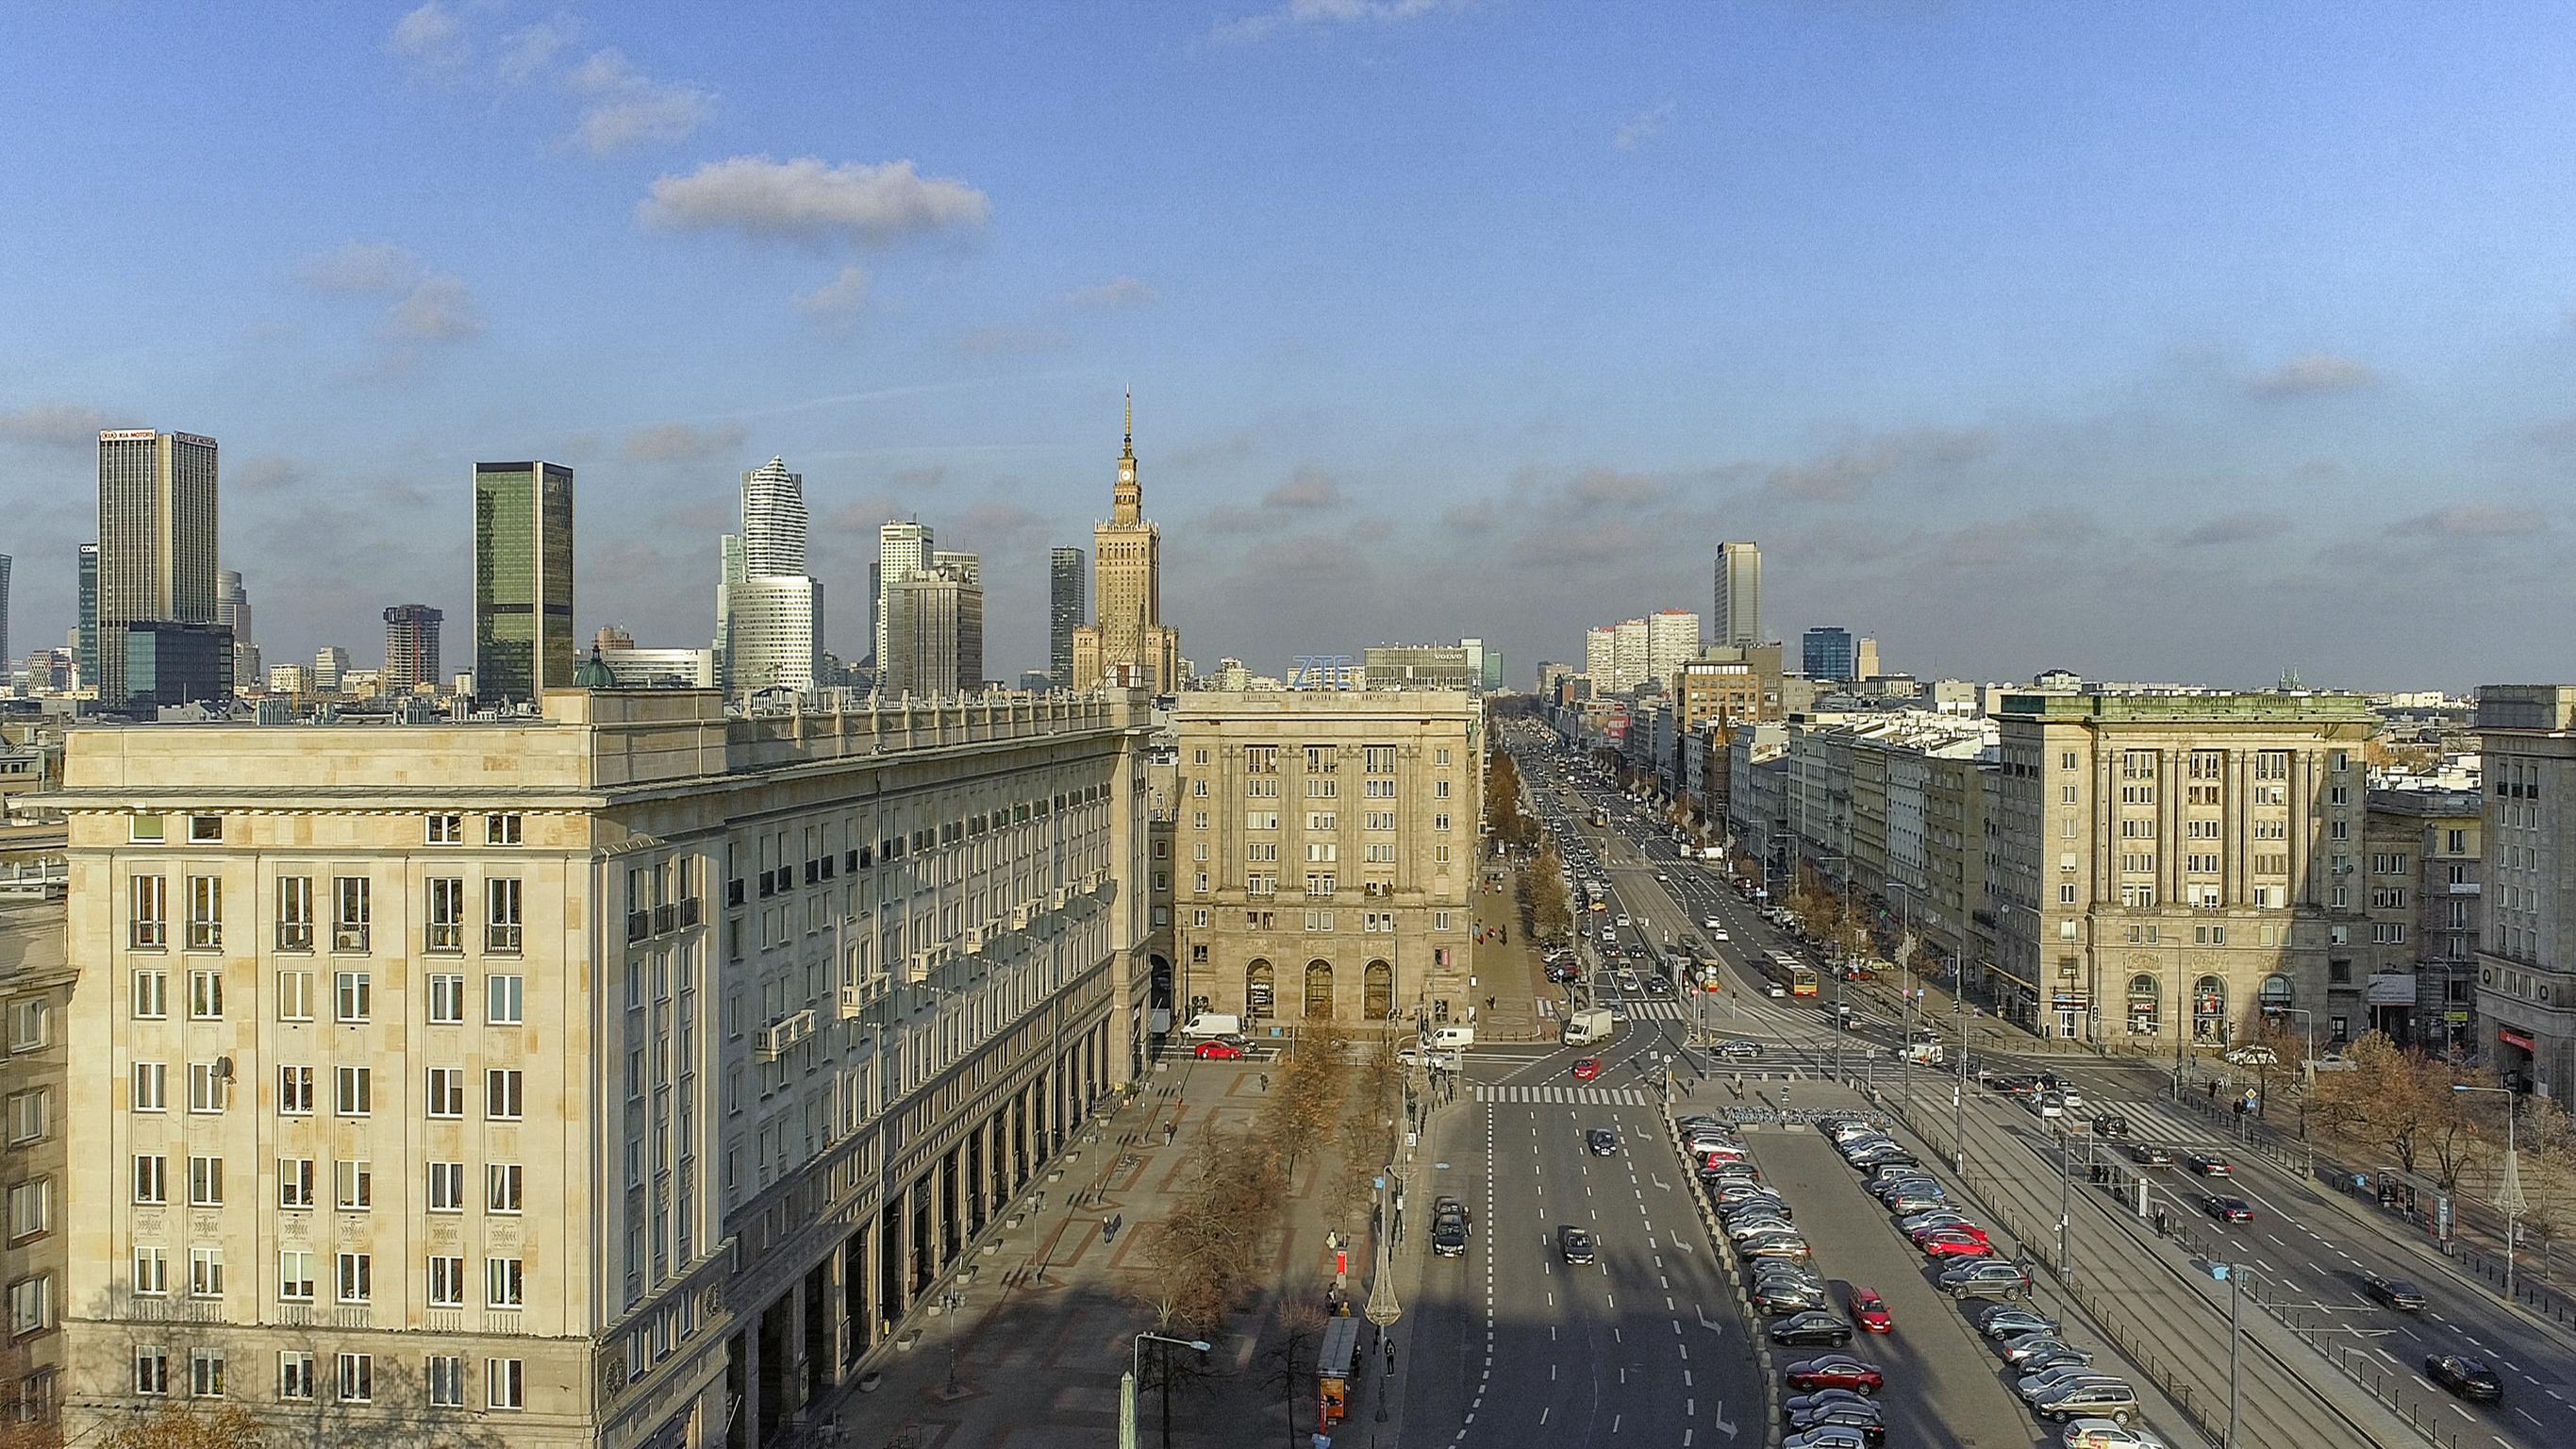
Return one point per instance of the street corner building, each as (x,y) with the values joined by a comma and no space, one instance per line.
(1327,845)
(623,1074)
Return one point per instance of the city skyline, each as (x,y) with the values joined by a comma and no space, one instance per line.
(2086,378)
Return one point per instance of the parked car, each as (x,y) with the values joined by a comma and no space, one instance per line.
(2208,1164)
(1832,1437)
(1985,1278)
(1574,1244)
(1775,1244)
(1813,1328)
(2104,1434)
(2011,1320)
(2227,1209)
(1801,1405)
(1834,1371)
(2035,1352)
(2397,1293)
(2110,1399)
(1775,1296)
(1952,1243)
(2466,1377)
(2034,1387)
(1858,1416)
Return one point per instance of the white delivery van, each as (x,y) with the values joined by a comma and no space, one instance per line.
(1208,1024)
(1589,1025)
(1452,1038)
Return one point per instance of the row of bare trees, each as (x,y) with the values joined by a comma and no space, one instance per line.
(1549,899)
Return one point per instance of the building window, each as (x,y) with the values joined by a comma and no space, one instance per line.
(205,1373)
(205,913)
(206,1272)
(295,1091)
(151,995)
(31,1208)
(351,913)
(506,1380)
(151,1179)
(446,928)
(145,829)
(354,1093)
(501,1184)
(446,1282)
(501,1094)
(152,1272)
(446,830)
(503,1283)
(295,1275)
(501,916)
(447,1187)
(357,1378)
(152,1370)
(295,1182)
(353,1184)
(447,1091)
(355,996)
(31,1306)
(446,1000)
(295,1374)
(209,1085)
(295,996)
(205,1182)
(500,830)
(357,1281)
(151,1087)
(206,995)
(30,1115)
(445,1376)
(295,913)
(150,928)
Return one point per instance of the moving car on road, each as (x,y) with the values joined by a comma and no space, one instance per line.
(2208,1164)
(2227,1209)
(2466,1377)
(1870,1311)
(2110,1124)
(1574,1244)
(2397,1293)
(1448,1227)
(1218,1051)
(1834,1371)
(2149,1154)
(1586,1068)
(1740,1051)
(1601,1142)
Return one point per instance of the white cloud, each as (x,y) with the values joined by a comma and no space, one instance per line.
(680,443)
(1111,295)
(837,303)
(360,267)
(1643,127)
(1315,14)
(629,108)
(432,38)
(440,308)
(60,425)
(2316,372)
(525,53)
(807,200)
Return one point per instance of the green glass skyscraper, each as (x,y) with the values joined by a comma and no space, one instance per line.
(522,580)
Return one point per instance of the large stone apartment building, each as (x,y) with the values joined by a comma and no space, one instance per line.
(36,981)
(2527,934)
(622,1076)
(1326,848)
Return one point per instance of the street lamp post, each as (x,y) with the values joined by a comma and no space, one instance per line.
(1841,1023)
(2509,1197)
(1135,1348)
(2307,1080)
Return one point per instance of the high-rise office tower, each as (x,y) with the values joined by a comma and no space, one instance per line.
(1064,612)
(329,663)
(934,634)
(769,610)
(1629,654)
(156,547)
(522,579)
(1127,642)
(1600,656)
(967,566)
(1865,658)
(1826,653)
(89,615)
(1737,618)
(903,545)
(411,647)
(1672,640)
(4,618)
(232,610)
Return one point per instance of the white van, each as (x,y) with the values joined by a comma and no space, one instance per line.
(1210,1024)
(1452,1038)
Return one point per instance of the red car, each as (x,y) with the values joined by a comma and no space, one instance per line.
(1586,1068)
(1219,1051)
(1835,1371)
(1951,1243)
(1870,1311)
(1966,1229)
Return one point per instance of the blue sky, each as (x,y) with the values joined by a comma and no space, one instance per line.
(2167,341)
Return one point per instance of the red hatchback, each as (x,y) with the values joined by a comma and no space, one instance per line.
(1586,1068)
(1220,1051)
(1870,1311)
(1951,1243)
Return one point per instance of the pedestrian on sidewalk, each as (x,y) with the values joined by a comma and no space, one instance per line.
(1168,1130)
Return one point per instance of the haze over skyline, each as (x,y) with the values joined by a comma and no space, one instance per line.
(2180,344)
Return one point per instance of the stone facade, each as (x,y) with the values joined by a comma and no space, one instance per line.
(619,1077)
(1328,846)
(36,980)
(2527,933)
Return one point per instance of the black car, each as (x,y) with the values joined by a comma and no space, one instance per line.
(1821,1400)
(1859,1415)
(2110,1124)
(2467,1377)
(2397,1293)
(1740,1051)
(1602,1141)
(2227,1209)
(1449,1227)
(1811,1327)
(1778,1297)
(1574,1244)
(2208,1164)
(2149,1154)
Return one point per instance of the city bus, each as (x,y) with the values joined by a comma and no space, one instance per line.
(1791,974)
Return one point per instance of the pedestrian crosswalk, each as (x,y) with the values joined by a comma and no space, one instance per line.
(1640,1010)
(1569,1096)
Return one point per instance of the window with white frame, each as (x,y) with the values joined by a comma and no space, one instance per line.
(152,1272)
(505,1383)
(353,1184)
(209,1085)
(354,1091)
(152,1370)
(206,1272)
(295,1182)
(352,913)
(501,918)
(205,913)
(151,1178)
(151,995)
(205,1373)
(295,1374)
(295,913)
(447,1187)
(446,1092)
(295,1275)
(445,922)
(294,996)
(446,1282)
(504,1283)
(354,996)
(444,1378)
(504,999)
(502,1182)
(357,1279)
(148,928)
(501,830)
(502,1100)
(446,830)
(357,1378)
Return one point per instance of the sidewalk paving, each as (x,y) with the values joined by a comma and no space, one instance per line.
(1510,970)
(1046,1328)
